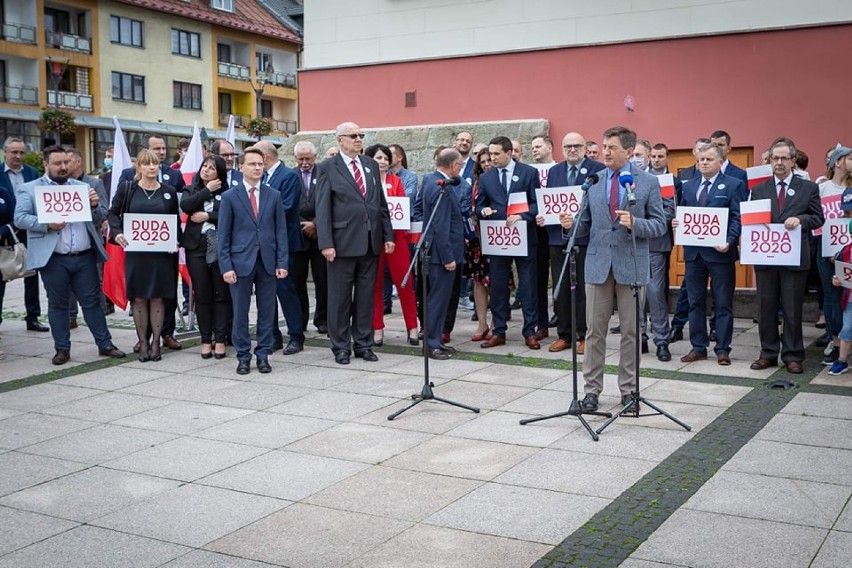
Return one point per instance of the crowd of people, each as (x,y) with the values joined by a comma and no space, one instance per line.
(251,225)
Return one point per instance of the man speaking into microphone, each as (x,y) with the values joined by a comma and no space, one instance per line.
(615,209)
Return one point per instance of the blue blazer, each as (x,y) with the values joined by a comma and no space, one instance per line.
(289,184)
(492,194)
(736,172)
(241,235)
(29,173)
(170,177)
(559,174)
(726,192)
(446,234)
(7,213)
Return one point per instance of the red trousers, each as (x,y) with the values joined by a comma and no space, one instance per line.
(397,264)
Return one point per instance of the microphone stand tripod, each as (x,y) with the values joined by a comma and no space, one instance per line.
(632,406)
(575,409)
(421,252)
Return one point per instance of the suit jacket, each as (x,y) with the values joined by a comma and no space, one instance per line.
(308,207)
(804,204)
(446,234)
(726,192)
(236,177)
(685,174)
(492,194)
(610,247)
(289,184)
(241,235)
(41,241)
(29,173)
(559,175)
(346,221)
(7,215)
(736,172)
(170,176)
(467,170)
(193,201)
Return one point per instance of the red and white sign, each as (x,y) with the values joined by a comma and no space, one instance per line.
(771,245)
(702,226)
(499,240)
(543,170)
(400,213)
(415,231)
(843,270)
(667,186)
(835,236)
(62,203)
(150,233)
(555,200)
(756,212)
(517,204)
(830,210)
(758,174)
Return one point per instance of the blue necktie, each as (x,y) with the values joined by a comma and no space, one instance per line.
(503,180)
(265,177)
(572,175)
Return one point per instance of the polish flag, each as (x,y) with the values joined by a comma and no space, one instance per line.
(194,156)
(758,174)
(415,231)
(114,283)
(517,204)
(667,186)
(756,212)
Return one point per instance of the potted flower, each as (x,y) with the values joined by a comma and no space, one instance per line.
(259,127)
(55,120)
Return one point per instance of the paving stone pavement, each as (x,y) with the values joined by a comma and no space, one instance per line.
(182,463)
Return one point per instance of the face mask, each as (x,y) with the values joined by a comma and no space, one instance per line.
(108,162)
(638,162)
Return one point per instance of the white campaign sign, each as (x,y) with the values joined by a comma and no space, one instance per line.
(771,245)
(62,203)
(555,200)
(499,240)
(150,233)
(702,226)
(400,213)
(843,270)
(835,236)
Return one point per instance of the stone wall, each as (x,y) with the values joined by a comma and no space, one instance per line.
(420,142)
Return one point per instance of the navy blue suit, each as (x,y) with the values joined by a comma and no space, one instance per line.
(736,172)
(31,299)
(706,262)
(493,194)
(254,249)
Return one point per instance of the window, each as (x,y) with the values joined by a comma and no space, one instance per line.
(265,108)
(127,87)
(223,52)
(186,43)
(225,103)
(125,31)
(187,95)
(225,5)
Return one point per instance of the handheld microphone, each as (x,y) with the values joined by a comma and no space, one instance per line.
(455,180)
(625,180)
(591,180)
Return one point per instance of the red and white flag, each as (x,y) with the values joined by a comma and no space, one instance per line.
(230,136)
(756,212)
(193,158)
(667,186)
(415,231)
(517,204)
(758,174)
(114,285)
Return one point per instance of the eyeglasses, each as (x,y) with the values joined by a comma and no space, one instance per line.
(779,158)
(353,136)
(227,155)
(572,146)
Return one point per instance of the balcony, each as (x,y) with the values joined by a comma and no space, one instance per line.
(288,126)
(68,42)
(240,120)
(73,101)
(234,71)
(280,79)
(20,95)
(19,33)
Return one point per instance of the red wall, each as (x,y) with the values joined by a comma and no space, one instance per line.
(756,86)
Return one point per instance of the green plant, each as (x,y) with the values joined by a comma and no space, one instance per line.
(259,127)
(35,160)
(55,120)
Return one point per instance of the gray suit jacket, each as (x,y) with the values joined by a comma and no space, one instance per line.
(610,246)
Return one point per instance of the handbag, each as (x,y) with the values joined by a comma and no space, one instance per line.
(212,254)
(13,259)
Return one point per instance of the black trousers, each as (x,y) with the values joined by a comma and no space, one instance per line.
(212,297)
(313,261)
(562,305)
(784,288)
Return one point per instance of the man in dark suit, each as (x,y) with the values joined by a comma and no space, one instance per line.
(505,178)
(722,139)
(463,143)
(225,150)
(796,203)
(446,240)
(309,257)
(712,189)
(13,175)
(611,267)
(286,181)
(685,174)
(252,251)
(353,227)
(573,171)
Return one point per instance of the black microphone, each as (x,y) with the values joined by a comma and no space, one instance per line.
(591,180)
(455,180)
(625,180)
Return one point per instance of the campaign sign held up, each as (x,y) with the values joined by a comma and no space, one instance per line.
(702,226)
(771,245)
(835,236)
(499,240)
(150,233)
(62,203)
(843,271)
(400,213)
(555,200)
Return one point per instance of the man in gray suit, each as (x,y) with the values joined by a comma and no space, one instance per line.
(353,228)
(610,268)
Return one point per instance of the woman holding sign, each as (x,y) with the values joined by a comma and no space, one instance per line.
(398,261)
(476,264)
(199,240)
(143,218)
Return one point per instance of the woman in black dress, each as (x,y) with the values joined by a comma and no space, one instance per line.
(150,277)
(212,296)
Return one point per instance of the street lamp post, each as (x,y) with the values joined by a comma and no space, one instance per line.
(56,68)
(258,91)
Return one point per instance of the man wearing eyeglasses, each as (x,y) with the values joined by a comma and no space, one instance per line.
(795,203)
(225,150)
(353,227)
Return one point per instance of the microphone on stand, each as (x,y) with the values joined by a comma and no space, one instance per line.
(455,180)
(625,180)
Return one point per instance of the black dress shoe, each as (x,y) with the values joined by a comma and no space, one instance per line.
(341,358)
(822,341)
(676,334)
(293,347)
(712,336)
(263,366)
(589,403)
(615,329)
(322,328)
(243,367)
(438,354)
(277,345)
(552,322)
(644,345)
(447,349)
(663,353)
(111,351)
(516,305)
(34,325)
(367,355)
(61,357)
